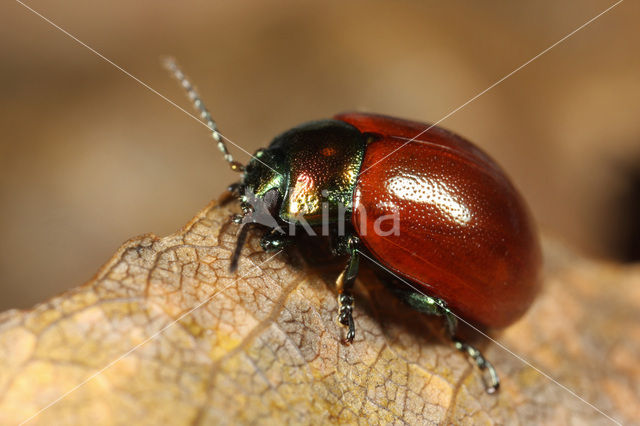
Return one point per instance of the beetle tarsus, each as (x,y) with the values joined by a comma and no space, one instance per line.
(351,334)
(491,379)
(345,312)
(345,316)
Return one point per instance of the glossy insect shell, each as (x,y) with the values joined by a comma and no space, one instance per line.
(464,232)
(437,211)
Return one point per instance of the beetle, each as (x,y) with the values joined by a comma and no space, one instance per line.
(461,239)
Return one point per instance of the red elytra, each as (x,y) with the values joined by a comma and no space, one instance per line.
(465,234)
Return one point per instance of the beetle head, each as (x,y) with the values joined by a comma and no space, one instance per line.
(263,187)
(261,193)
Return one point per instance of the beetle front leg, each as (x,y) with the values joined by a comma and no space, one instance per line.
(344,284)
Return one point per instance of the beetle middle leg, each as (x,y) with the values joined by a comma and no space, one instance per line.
(344,284)
(274,240)
(434,306)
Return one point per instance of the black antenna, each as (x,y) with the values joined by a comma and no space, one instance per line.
(171,65)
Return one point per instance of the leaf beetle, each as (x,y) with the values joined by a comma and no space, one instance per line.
(435,211)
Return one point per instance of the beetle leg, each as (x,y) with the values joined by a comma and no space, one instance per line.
(434,306)
(492,382)
(491,379)
(344,284)
(274,240)
(242,237)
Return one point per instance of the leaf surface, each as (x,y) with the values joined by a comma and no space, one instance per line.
(165,334)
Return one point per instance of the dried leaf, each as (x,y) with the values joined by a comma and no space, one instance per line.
(264,346)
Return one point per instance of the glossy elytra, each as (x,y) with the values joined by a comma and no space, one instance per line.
(462,236)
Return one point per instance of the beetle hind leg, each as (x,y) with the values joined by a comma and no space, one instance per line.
(492,381)
(490,375)
(435,306)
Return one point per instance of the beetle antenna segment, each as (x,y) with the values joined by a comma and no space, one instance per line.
(171,65)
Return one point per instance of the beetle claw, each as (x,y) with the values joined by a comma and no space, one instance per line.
(351,334)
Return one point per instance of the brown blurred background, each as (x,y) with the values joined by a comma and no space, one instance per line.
(90,158)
